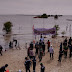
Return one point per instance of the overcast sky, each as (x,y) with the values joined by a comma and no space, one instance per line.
(36,7)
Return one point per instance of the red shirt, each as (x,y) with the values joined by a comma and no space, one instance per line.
(48,44)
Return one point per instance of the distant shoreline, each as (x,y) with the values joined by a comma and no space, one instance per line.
(31,14)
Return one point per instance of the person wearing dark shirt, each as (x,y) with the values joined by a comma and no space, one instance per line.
(14,40)
(70,51)
(1,50)
(61,46)
(36,47)
(40,53)
(11,44)
(65,42)
(31,45)
(2,69)
(40,43)
(42,67)
(70,40)
(34,63)
(60,55)
(43,47)
(65,50)
(27,64)
(28,51)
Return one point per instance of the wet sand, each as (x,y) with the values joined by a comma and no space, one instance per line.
(15,59)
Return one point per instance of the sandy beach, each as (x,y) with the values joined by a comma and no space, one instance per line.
(15,58)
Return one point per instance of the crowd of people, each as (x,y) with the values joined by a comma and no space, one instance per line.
(67,44)
(40,52)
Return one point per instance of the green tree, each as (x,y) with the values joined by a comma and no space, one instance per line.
(7,27)
(57,28)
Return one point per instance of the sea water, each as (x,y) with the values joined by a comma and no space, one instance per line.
(22,29)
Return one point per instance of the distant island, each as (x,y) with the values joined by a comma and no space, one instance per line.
(46,16)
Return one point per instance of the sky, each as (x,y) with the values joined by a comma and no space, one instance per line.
(36,7)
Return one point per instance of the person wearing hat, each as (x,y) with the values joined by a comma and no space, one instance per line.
(51,50)
(42,67)
(27,64)
(2,69)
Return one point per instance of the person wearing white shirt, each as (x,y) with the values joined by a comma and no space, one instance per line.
(51,50)
(42,39)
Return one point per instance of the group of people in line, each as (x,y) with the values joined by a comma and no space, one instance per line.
(67,44)
(40,52)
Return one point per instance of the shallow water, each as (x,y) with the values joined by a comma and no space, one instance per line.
(22,26)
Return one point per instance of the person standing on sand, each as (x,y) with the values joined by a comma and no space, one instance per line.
(70,53)
(65,50)
(42,68)
(31,45)
(70,41)
(60,55)
(41,38)
(51,50)
(61,46)
(48,43)
(28,51)
(27,64)
(31,54)
(43,47)
(36,47)
(40,53)
(65,42)
(40,43)
(1,50)
(34,63)
(2,69)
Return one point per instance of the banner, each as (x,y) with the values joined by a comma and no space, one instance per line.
(44,31)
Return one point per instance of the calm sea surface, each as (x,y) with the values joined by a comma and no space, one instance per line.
(22,27)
